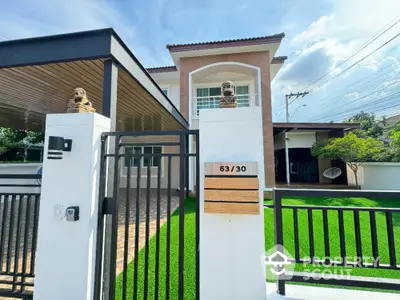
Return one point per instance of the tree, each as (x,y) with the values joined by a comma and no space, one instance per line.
(369,125)
(350,149)
(392,149)
(395,135)
(15,138)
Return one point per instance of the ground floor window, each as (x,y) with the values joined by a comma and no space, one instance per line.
(153,160)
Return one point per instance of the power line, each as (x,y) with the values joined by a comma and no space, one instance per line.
(373,109)
(367,85)
(372,39)
(335,76)
(353,84)
(357,62)
(375,82)
(376,101)
(350,112)
(359,106)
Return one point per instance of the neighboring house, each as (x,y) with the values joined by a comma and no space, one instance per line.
(293,160)
(194,83)
(391,121)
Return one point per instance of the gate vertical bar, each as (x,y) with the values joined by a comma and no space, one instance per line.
(3,228)
(181,217)
(109,109)
(278,222)
(391,240)
(114,221)
(10,232)
(157,266)
(168,250)
(99,243)
(17,241)
(188,158)
(126,236)
(197,216)
(147,238)
(26,239)
(296,235)
(326,235)
(311,234)
(137,229)
(374,237)
(342,236)
(358,237)
(34,234)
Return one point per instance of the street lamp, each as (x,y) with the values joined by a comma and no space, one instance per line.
(304,105)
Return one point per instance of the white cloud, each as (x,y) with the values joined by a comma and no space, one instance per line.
(45,17)
(389,84)
(315,31)
(327,42)
(352,96)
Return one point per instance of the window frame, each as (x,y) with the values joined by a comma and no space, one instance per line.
(142,160)
(196,116)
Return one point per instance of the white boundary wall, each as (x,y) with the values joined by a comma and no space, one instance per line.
(19,168)
(377,176)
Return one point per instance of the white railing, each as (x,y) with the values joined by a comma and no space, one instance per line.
(199,103)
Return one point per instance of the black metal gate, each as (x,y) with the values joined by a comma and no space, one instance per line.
(148,241)
(19,214)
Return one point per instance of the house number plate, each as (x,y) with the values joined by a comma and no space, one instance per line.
(231,169)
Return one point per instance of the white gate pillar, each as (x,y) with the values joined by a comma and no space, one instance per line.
(232,242)
(65,260)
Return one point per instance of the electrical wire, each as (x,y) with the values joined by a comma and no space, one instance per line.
(356,109)
(366,86)
(357,62)
(372,104)
(372,39)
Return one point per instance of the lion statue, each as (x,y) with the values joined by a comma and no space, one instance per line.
(228,97)
(80,102)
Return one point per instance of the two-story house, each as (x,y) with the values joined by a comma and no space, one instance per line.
(194,82)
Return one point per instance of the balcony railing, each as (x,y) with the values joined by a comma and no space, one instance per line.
(199,103)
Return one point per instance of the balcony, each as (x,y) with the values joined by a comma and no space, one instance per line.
(244,100)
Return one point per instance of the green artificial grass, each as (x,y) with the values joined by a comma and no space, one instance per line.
(288,229)
(190,239)
(189,260)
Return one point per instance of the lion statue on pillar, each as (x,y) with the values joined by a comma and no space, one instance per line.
(228,98)
(80,102)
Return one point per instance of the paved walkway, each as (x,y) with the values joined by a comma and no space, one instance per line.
(142,220)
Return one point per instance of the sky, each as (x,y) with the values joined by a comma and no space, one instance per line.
(319,36)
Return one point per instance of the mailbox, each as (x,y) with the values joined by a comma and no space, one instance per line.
(231,188)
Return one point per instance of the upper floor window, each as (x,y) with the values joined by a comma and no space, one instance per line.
(152,160)
(210,97)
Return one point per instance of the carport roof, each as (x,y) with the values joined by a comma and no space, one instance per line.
(38,75)
(287,126)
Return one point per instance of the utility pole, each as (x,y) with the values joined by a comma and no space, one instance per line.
(287,98)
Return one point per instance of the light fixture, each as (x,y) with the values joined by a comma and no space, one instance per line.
(57,145)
